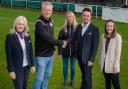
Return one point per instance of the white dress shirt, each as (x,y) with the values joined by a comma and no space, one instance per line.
(22,42)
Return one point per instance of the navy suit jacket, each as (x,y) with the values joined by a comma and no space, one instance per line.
(90,42)
(14,53)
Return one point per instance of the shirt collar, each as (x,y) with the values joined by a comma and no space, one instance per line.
(83,24)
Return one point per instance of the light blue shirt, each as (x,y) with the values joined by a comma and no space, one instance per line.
(22,42)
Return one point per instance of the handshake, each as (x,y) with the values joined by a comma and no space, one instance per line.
(64,44)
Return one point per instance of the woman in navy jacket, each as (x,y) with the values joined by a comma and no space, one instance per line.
(69,52)
(19,53)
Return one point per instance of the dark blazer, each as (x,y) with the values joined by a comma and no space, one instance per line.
(90,42)
(14,53)
(70,49)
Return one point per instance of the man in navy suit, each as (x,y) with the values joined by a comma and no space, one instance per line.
(87,38)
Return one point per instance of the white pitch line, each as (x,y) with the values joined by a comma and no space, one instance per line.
(12,19)
(5,18)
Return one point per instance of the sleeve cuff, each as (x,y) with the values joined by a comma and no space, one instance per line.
(92,60)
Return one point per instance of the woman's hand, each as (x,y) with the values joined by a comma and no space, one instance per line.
(115,70)
(90,63)
(54,55)
(12,75)
(33,69)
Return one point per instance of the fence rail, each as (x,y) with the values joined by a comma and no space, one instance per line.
(97,10)
(36,4)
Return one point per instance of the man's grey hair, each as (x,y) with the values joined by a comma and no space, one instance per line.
(46,3)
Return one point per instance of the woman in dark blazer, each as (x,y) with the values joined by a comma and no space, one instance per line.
(67,33)
(19,53)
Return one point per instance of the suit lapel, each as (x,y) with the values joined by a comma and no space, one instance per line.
(80,31)
(26,44)
(104,41)
(17,41)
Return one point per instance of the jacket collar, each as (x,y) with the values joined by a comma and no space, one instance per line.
(44,20)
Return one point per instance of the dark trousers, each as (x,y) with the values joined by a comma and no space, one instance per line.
(111,78)
(21,78)
(86,71)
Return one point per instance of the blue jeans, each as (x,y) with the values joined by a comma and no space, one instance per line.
(72,66)
(43,72)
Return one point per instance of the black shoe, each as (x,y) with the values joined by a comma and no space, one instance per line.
(72,83)
(82,87)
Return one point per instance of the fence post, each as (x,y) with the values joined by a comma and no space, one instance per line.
(96,10)
(26,4)
(11,3)
(126,2)
(67,6)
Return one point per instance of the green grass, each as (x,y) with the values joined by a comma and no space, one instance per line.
(7,16)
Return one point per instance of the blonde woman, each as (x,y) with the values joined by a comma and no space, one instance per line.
(68,53)
(19,53)
(110,55)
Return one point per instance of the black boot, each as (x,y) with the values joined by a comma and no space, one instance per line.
(72,83)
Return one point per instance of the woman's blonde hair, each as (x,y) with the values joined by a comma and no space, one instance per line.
(74,21)
(26,30)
